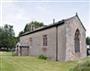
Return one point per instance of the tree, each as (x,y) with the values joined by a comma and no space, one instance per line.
(32,25)
(88,40)
(7,37)
(20,33)
(9,30)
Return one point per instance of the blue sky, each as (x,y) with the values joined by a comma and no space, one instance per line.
(20,12)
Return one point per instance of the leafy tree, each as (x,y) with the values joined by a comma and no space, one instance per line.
(88,40)
(32,25)
(9,30)
(20,33)
(7,37)
(26,29)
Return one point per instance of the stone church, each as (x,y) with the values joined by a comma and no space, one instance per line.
(61,41)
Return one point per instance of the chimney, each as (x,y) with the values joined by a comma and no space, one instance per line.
(53,21)
(31,27)
(76,14)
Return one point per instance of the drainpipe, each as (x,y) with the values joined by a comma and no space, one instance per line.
(56,40)
(56,43)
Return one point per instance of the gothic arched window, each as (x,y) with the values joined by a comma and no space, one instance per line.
(77,41)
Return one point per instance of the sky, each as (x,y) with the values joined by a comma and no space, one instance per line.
(20,12)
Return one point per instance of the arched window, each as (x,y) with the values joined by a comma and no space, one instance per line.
(77,41)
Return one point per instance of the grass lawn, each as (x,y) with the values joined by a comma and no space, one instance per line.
(27,63)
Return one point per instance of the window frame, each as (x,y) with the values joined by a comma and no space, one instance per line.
(77,41)
(30,39)
(45,41)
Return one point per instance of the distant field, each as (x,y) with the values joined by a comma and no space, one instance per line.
(27,63)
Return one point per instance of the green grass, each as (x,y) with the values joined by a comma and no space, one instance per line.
(27,63)
(83,65)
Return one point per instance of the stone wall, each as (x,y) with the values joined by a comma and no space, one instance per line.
(61,42)
(66,34)
(37,43)
(72,25)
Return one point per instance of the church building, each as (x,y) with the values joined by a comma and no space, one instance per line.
(61,41)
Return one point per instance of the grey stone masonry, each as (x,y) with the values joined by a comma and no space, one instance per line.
(60,40)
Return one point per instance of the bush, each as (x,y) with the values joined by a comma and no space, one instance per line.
(42,57)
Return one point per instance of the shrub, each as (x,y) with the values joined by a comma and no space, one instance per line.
(42,57)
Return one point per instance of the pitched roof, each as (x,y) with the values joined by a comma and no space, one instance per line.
(52,25)
(80,22)
(45,27)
